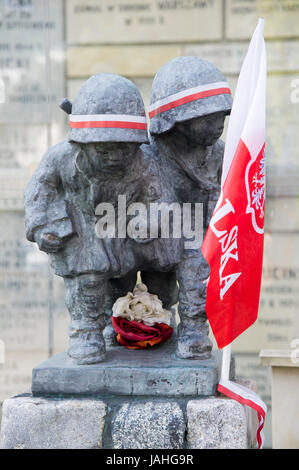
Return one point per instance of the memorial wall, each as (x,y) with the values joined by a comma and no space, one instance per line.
(47,50)
(32,81)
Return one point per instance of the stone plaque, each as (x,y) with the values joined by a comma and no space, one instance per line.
(23,287)
(31,85)
(282,214)
(60,314)
(16,372)
(282,56)
(131,61)
(249,366)
(282,137)
(278,323)
(281,18)
(31,53)
(21,148)
(142,21)
(13,183)
(282,121)
(25,293)
(24,300)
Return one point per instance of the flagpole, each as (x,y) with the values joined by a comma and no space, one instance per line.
(226,357)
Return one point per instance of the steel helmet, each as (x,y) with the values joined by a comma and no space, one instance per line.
(107,108)
(185,88)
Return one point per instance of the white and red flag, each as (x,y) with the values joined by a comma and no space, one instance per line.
(233,245)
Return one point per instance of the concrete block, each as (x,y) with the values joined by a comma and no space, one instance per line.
(38,423)
(149,425)
(216,423)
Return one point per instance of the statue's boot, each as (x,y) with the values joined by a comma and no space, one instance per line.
(85,301)
(87,344)
(193,341)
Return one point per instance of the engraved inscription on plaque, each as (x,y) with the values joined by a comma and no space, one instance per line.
(24,304)
(31,85)
(281,18)
(142,21)
(24,299)
(278,323)
(228,57)
(30,45)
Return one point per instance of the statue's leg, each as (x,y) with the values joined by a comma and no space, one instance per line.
(116,288)
(85,296)
(193,341)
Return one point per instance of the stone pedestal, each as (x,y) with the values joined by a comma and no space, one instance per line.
(285,406)
(144,400)
(58,423)
(155,372)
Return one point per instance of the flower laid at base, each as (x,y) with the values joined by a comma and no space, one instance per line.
(139,319)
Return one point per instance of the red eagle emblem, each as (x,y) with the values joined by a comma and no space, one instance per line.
(255,185)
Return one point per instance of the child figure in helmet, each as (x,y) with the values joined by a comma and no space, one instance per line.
(99,160)
(190,99)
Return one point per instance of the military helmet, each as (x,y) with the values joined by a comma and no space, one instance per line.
(185,88)
(107,108)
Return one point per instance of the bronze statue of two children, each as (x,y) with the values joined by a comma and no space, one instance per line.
(109,157)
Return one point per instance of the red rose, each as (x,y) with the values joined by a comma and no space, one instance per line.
(136,335)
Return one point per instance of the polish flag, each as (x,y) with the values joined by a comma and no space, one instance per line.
(233,245)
